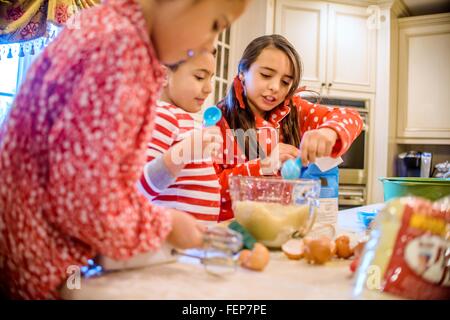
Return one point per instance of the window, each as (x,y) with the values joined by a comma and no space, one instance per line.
(14,68)
(9,70)
(221,80)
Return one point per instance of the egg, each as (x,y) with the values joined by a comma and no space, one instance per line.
(358,249)
(257,259)
(244,255)
(318,251)
(343,249)
(294,249)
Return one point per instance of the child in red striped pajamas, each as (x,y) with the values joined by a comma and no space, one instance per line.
(263,99)
(179,172)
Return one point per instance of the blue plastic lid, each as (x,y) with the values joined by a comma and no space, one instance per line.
(367,216)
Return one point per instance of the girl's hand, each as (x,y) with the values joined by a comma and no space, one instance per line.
(316,144)
(186,232)
(278,156)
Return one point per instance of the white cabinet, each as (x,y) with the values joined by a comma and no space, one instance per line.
(304,24)
(423,112)
(335,43)
(351,49)
(250,25)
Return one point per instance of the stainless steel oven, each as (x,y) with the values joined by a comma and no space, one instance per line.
(351,196)
(353,171)
(354,168)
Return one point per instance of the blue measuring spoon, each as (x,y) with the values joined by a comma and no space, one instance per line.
(211,116)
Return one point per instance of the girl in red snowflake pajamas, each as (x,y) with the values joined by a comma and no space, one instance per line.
(74,145)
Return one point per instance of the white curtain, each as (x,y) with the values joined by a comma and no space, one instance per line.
(19,77)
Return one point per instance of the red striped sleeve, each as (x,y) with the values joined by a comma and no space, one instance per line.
(165,131)
(182,116)
(193,187)
(198,178)
(160,144)
(167,116)
(189,200)
(162,140)
(150,192)
(203,217)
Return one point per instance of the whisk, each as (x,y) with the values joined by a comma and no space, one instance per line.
(217,255)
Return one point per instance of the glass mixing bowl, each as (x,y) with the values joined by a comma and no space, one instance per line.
(273,209)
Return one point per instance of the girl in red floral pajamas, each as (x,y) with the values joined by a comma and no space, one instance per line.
(263,98)
(74,145)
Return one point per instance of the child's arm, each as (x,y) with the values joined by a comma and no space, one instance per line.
(326,131)
(157,174)
(166,159)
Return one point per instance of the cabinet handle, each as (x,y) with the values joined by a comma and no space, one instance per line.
(329,85)
(323,84)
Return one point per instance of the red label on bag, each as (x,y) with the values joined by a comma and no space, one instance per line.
(419,267)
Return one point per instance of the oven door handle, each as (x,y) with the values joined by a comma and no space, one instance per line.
(351,201)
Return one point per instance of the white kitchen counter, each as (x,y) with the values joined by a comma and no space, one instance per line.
(282,278)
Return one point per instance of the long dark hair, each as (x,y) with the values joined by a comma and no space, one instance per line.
(239,118)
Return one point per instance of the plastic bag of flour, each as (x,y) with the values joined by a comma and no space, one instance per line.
(408,252)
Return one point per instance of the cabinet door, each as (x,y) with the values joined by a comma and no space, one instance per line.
(351,49)
(424,78)
(304,23)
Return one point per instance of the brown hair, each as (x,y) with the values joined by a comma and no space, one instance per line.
(239,118)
